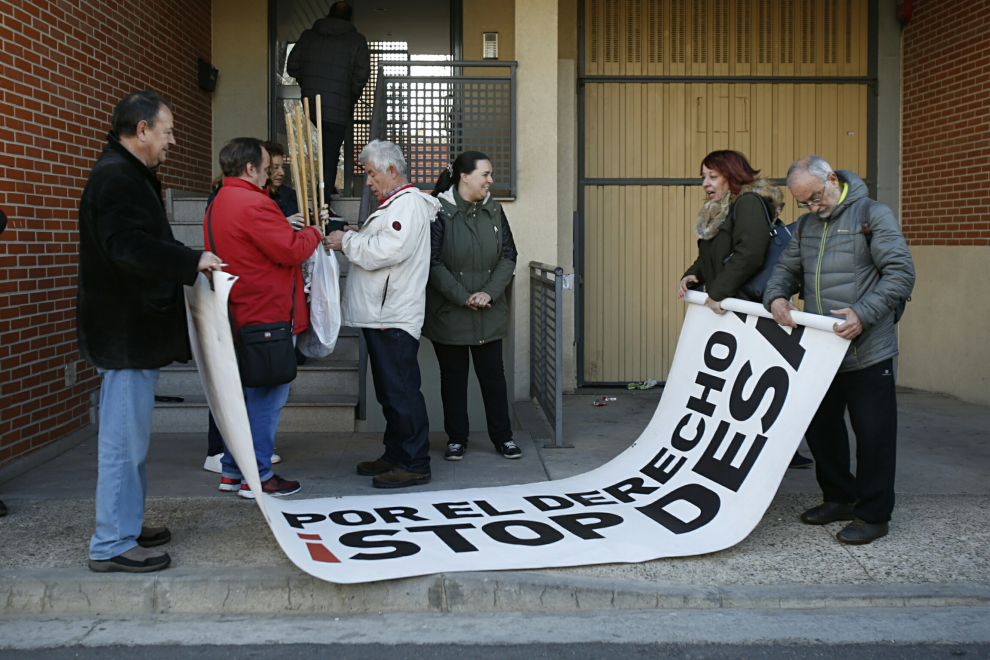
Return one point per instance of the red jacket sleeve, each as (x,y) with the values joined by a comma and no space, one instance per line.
(277,239)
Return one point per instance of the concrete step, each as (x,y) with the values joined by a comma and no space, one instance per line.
(189,210)
(301,414)
(316,377)
(59,594)
(346,349)
(189,234)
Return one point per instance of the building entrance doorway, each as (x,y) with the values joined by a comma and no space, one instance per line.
(397,31)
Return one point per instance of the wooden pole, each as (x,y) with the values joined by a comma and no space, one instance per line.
(319,153)
(302,164)
(312,164)
(290,132)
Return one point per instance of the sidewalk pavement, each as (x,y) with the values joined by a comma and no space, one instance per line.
(225,559)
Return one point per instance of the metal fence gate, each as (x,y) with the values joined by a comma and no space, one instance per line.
(546,339)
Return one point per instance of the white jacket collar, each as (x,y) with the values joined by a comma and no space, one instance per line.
(430,199)
(409,189)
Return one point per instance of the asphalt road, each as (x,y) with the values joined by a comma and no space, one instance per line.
(585,651)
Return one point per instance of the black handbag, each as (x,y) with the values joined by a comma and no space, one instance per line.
(780,236)
(266,355)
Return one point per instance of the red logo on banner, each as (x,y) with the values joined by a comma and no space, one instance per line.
(318,551)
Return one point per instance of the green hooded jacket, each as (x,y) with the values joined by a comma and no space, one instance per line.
(471,250)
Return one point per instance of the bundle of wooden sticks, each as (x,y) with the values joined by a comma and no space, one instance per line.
(307,170)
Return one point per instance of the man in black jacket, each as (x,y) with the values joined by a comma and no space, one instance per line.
(130,319)
(331,59)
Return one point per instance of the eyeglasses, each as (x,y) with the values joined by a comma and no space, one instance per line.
(814,202)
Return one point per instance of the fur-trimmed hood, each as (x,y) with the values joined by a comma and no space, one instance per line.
(714,212)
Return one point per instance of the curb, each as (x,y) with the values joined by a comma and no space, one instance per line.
(288,590)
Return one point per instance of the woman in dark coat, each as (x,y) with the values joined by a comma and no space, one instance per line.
(472,260)
(733,233)
(732,228)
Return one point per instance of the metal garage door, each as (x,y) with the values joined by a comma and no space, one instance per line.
(663,83)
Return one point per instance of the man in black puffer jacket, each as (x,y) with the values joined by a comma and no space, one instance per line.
(331,59)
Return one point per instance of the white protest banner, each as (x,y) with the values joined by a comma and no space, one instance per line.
(740,394)
(212,344)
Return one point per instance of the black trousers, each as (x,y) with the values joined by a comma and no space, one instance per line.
(871,399)
(333,137)
(454,367)
(395,371)
(214,439)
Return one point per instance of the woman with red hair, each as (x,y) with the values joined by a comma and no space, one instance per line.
(733,233)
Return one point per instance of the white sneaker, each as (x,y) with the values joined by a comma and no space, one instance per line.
(212,463)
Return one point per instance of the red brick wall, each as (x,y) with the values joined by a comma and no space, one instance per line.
(63,66)
(946,143)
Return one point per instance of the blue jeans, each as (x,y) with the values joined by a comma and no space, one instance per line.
(127,397)
(395,370)
(264,406)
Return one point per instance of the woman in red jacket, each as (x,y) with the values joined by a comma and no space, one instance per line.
(265,253)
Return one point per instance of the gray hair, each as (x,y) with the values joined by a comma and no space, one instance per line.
(814,165)
(382,155)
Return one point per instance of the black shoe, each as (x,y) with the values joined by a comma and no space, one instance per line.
(455,451)
(860,532)
(3,509)
(135,560)
(399,478)
(800,462)
(377,466)
(509,449)
(152,536)
(826,513)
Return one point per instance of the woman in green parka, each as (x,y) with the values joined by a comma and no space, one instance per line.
(472,260)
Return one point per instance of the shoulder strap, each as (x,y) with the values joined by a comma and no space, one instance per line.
(865,222)
(209,226)
(763,204)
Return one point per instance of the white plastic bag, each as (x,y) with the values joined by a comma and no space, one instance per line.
(324,307)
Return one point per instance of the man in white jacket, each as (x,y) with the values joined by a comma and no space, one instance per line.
(386,298)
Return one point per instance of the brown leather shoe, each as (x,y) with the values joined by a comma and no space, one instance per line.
(860,532)
(152,536)
(399,478)
(826,513)
(377,466)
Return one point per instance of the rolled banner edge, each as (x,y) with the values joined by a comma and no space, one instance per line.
(816,321)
